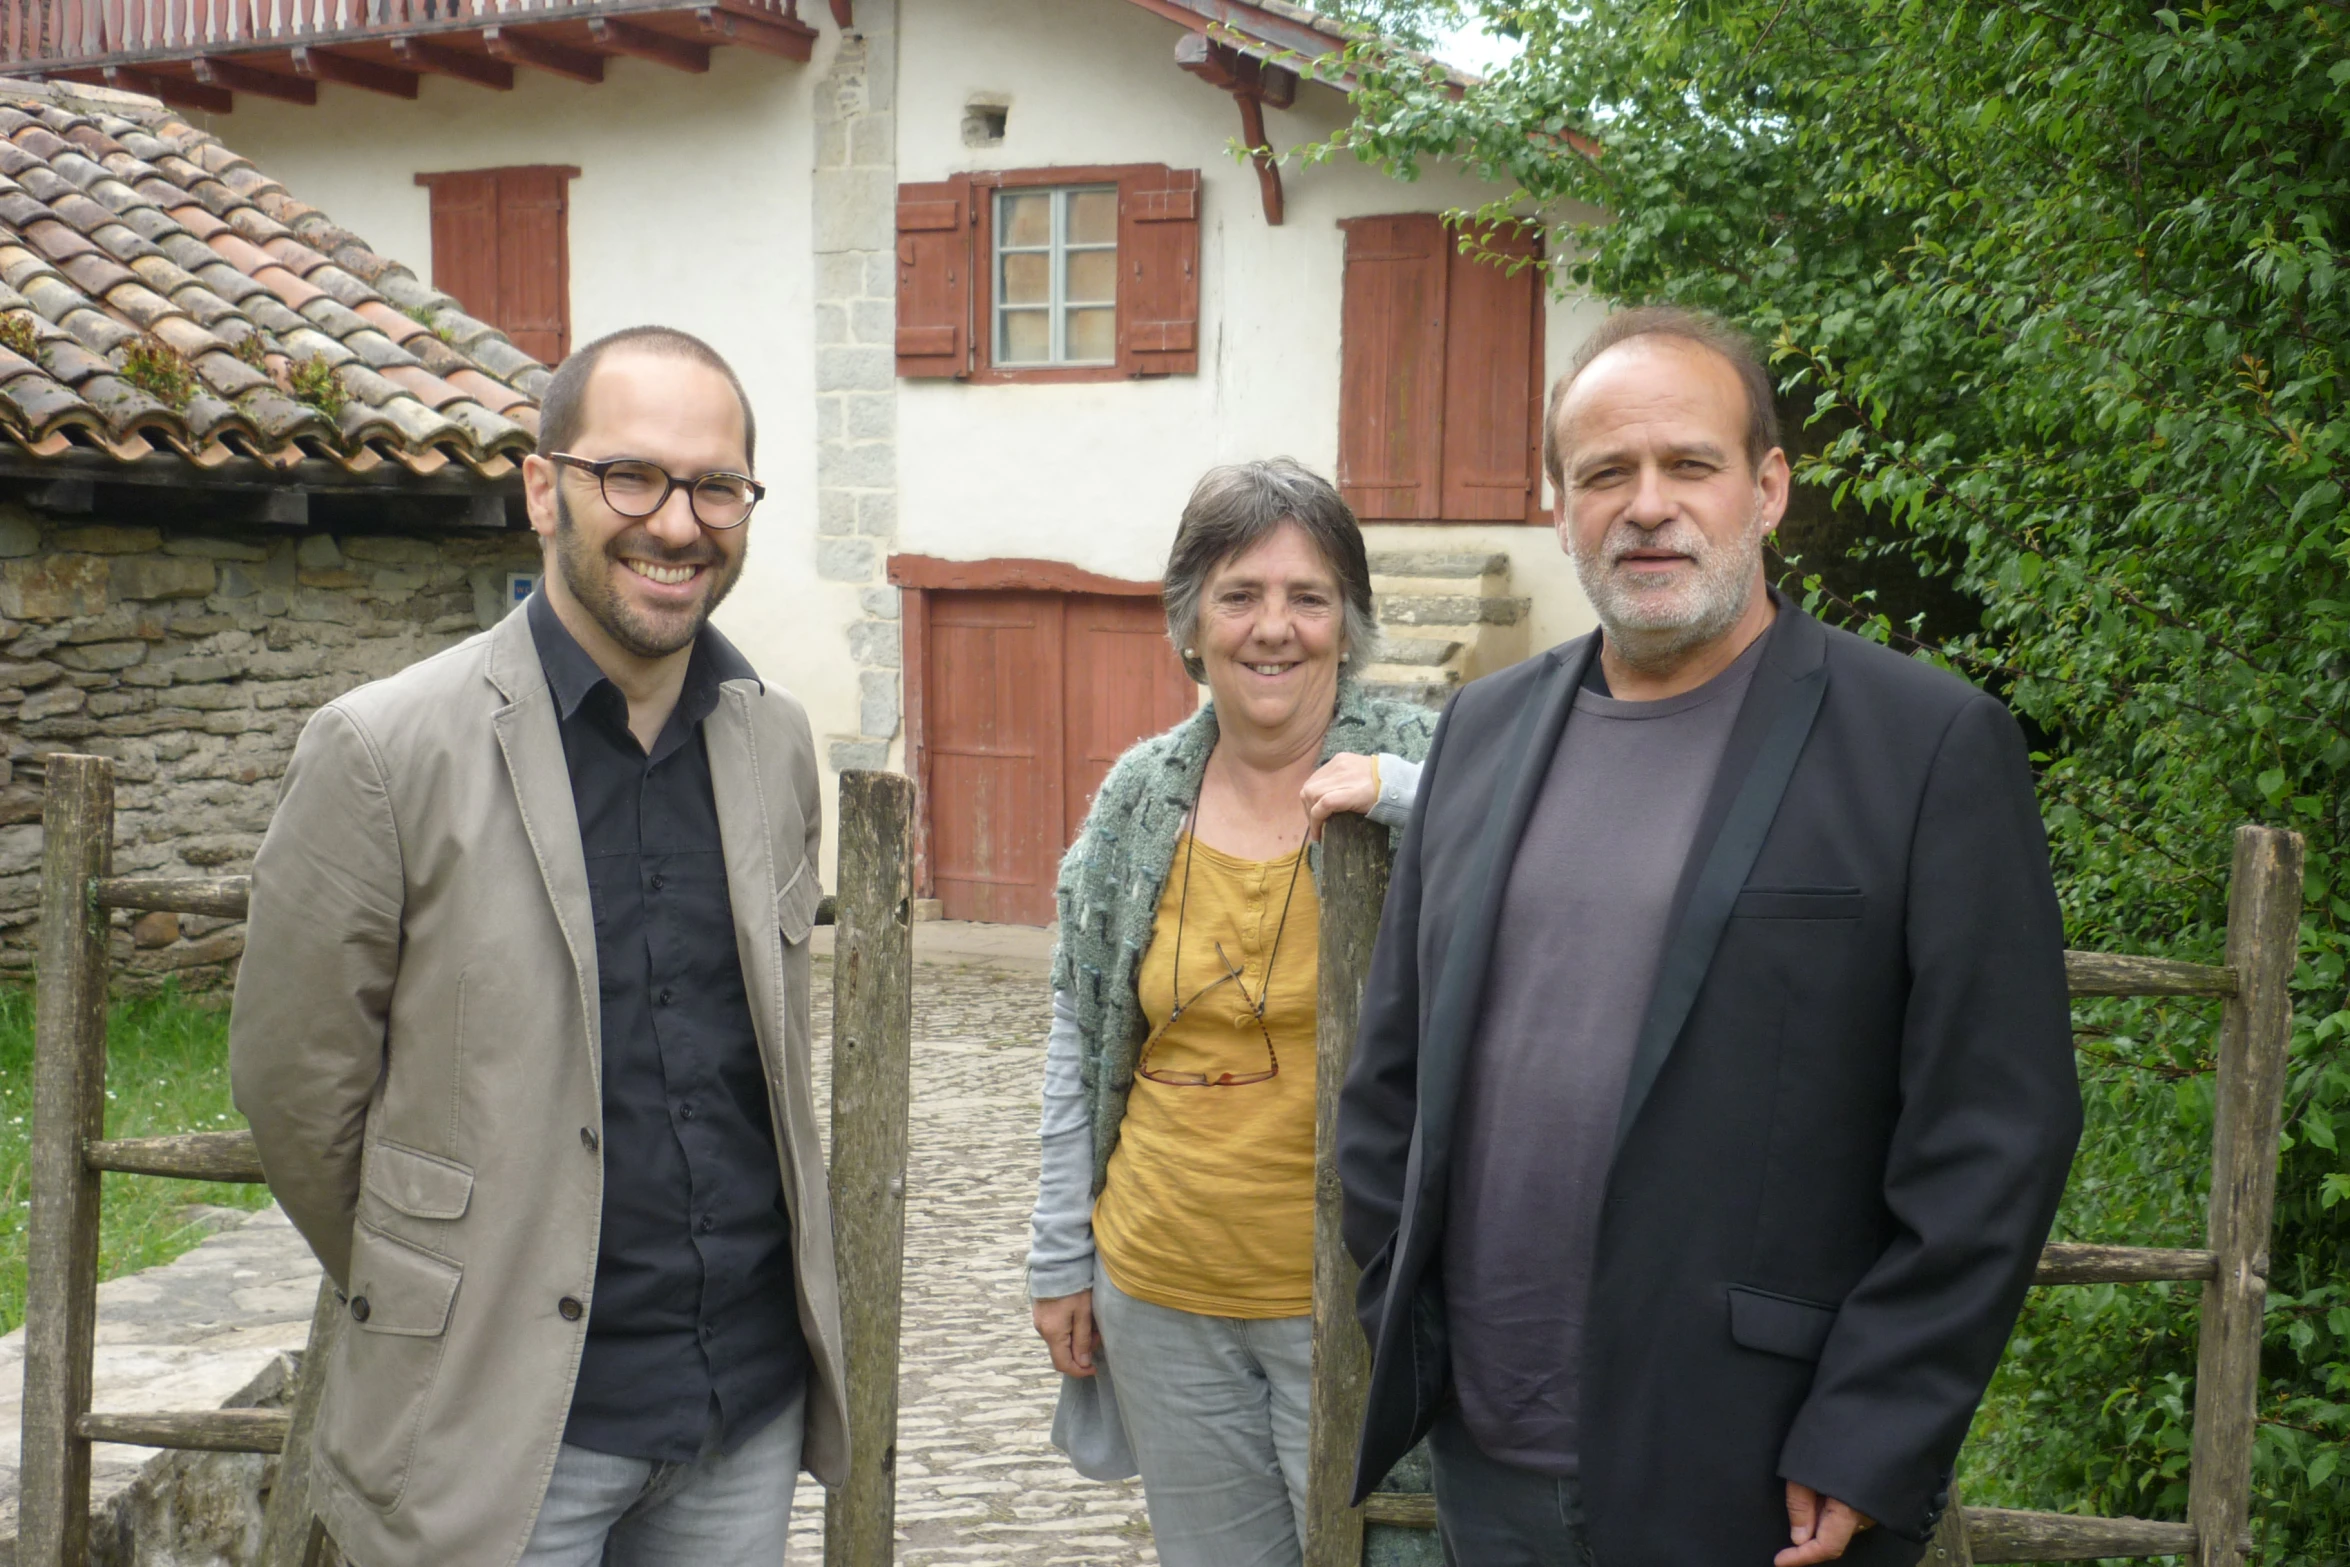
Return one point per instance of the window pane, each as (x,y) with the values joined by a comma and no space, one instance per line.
(1028,278)
(1093,334)
(1093,217)
(1027,218)
(1093,277)
(1027,338)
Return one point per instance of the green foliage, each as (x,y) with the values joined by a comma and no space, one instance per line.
(159,370)
(2064,284)
(253,348)
(17,335)
(167,1071)
(313,381)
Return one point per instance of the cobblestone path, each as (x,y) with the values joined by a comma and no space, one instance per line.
(978,1479)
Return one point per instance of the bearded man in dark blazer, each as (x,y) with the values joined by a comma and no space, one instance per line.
(1715,1087)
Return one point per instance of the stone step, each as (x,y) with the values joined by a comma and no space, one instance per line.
(1458,564)
(1418,651)
(1429,688)
(1453,610)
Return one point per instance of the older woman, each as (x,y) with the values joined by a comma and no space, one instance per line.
(1173,1234)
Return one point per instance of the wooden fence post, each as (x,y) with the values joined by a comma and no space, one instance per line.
(2256,1034)
(1355,863)
(872,1060)
(291,1535)
(69,1109)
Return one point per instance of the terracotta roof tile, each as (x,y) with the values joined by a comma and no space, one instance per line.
(122,225)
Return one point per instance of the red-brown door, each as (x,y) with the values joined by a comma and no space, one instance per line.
(1028,698)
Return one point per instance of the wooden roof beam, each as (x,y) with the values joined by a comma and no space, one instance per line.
(325,65)
(793,40)
(543,54)
(617,37)
(177,91)
(237,76)
(1252,84)
(439,60)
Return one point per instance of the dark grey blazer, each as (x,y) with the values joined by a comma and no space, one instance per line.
(1851,1110)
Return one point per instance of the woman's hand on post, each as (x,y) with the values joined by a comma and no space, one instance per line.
(1065,1323)
(1346,782)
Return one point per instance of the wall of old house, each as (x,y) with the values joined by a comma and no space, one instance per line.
(1095,473)
(192,656)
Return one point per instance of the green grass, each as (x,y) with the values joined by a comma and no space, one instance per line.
(167,1071)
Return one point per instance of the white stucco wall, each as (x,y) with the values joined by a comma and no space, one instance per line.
(691,208)
(1095,473)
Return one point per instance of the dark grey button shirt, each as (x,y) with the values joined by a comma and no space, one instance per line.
(694,1330)
(1574,959)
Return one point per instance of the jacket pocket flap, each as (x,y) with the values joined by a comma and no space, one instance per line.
(795,906)
(398,1288)
(419,1185)
(1779,1324)
(1799,903)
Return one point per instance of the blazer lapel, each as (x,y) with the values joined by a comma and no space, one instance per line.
(1460,985)
(533,748)
(1765,743)
(744,832)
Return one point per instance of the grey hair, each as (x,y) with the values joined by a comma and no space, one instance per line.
(1238,506)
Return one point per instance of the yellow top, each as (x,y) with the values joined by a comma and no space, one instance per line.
(1209,1201)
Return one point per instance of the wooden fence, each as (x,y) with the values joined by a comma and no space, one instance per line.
(2256,1028)
(872,1054)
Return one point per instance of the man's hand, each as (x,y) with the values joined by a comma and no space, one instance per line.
(1065,1323)
(1346,782)
(1820,1526)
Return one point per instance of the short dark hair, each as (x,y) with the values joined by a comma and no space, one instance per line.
(1238,506)
(1707,331)
(564,409)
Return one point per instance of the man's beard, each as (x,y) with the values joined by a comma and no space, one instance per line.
(588,573)
(1653,629)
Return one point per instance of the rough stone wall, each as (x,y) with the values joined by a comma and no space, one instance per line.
(192,655)
(856,362)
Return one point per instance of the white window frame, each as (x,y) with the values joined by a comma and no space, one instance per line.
(1057,306)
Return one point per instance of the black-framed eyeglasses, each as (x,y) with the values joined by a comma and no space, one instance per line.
(634,487)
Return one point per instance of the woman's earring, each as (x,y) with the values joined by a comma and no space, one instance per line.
(1191,652)
(1346,658)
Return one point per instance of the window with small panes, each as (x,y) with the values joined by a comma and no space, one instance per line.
(1056,276)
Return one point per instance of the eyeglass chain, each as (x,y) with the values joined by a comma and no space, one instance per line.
(1183,904)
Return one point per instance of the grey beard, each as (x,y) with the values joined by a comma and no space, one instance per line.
(1649,638)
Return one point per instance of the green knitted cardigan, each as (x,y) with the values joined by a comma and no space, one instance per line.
(1113,875)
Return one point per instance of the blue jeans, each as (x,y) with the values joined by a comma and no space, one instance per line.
(721,1510)
(1492,1514)
(1215,1410)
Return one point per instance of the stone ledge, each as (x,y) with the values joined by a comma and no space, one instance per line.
(219,1327)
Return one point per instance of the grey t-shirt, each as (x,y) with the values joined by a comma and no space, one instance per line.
(1574,960)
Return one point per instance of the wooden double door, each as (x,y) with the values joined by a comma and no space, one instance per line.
(1027,697)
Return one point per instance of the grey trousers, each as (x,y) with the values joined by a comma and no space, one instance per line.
(1215,1410)
(722,1510)
(1492,1514)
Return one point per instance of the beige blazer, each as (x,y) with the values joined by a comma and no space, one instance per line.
(417,1045)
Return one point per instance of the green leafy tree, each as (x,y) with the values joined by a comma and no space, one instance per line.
(2059,286)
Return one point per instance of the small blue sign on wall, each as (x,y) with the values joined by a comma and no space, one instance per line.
(520,585)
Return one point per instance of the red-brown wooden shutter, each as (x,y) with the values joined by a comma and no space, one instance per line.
(465,239)
(1392,365)
(534,261)
(1492,331)
(501,245)
(934,278)
(1158,243)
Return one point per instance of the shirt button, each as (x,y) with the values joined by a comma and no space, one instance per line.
(569,1309)
(360,1310)
(708,1224)
(587,1138)
(659,881)
(708,1331)
(685,1112)
(666,993)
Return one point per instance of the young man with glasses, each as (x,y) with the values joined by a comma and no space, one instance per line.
(524,1036)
